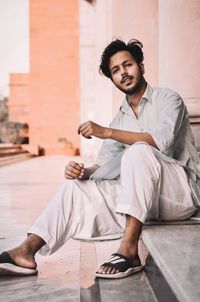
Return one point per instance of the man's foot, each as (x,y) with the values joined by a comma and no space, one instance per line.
(21,260)
(119,266)
(122,264)
(24,254)
(12,266)
(23,257)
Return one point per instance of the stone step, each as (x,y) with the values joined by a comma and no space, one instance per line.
(11,159)
(4,146)
(11,149)
(13,153)
(4,153)
(173,267)
(133,288)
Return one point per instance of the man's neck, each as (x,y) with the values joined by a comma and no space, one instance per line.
(135,98)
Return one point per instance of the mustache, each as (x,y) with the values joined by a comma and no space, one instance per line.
(124,78)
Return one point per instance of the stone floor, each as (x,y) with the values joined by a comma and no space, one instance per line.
(67,275)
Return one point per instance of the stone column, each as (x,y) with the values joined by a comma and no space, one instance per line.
(139,20)
(179,48)
(96,92)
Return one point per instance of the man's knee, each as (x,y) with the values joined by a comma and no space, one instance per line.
(136,152)
(141,159)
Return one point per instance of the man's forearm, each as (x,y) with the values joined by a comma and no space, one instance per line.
(90,129)
(127,137)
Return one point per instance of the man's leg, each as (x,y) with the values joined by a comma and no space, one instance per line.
(140,185)
(149,191)
(81,209)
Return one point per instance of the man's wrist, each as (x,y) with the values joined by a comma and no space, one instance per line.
(108,133)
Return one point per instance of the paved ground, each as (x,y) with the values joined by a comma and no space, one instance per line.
(67,275)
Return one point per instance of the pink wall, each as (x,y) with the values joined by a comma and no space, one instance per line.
(54,74)
(19,107)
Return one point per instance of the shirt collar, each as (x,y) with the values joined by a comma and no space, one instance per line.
(146,97)
(148,93)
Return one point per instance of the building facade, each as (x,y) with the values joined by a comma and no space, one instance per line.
(64,87)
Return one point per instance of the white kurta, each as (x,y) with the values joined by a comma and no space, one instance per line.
(152,184)
(163,114)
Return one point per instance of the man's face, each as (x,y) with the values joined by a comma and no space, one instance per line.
(126,74)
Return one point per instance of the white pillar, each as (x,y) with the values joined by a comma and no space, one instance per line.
(96,91)
(138,20)
(179,48)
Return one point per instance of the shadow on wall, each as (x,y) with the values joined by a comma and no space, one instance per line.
(11,132)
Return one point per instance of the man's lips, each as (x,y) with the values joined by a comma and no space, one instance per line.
(126,79)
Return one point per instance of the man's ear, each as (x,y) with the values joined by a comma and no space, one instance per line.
(142,68)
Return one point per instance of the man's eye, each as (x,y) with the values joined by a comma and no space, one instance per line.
(129,64)
(114,71)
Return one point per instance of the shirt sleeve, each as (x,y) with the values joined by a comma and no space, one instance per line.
(170,118)
(110,148)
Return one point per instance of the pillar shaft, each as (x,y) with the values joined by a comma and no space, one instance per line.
(179,44)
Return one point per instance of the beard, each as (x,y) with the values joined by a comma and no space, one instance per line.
(134,89)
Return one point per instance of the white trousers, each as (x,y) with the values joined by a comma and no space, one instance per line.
(149,188)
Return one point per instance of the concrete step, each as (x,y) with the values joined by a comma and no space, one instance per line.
(10,149)
(4,153)
(11,159)
(134,288)
(11,153)
(173,267)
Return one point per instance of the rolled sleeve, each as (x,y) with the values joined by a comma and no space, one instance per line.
(171,115)
(108,151)
(110,148)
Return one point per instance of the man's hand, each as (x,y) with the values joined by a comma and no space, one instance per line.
(74,170)
(89,129)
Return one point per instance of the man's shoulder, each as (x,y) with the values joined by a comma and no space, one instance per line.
(165,93)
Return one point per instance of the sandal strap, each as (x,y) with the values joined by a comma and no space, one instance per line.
(5,258)
(118,261)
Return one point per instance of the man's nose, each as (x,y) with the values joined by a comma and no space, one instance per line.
(123,71)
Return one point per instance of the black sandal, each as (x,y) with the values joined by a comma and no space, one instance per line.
(122,264)
(8,267)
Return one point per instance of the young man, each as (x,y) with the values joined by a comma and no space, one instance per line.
(147,168)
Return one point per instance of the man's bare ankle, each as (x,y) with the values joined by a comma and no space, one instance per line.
(33,243)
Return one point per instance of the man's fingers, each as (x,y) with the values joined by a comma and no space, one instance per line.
(86,132)
(71,174)
(82,127)
(78,130)
(74,170)
(72,166)
(69,177)
(85,129)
